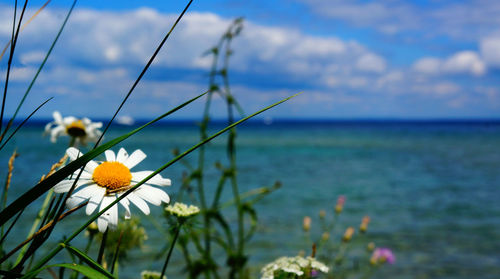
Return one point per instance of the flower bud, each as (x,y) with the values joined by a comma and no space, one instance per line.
(364,224)
(340,204)
(348,234)
(306,225)
(370,247)
(322,214)
(325,236)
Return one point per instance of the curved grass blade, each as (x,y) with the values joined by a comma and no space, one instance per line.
(93,217)
(45,185)
(90,262)
(84,270)
(20,125)
(41,65)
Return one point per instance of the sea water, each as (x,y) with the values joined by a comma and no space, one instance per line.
(432,189)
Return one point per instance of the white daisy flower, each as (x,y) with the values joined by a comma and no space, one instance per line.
(82,130)
(102,183)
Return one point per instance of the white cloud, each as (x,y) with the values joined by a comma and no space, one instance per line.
(371,63)
(469,20)
(490,51)
(463,62)
(104,39)
(428,65)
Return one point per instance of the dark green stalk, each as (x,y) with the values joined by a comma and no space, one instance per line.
(177,230)
(100,255)
(11,56)
(117,250)
(56,250)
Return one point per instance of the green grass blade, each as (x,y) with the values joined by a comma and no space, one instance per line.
(45,185)
(93,217)
(20,125)
(82,269)
(90,262)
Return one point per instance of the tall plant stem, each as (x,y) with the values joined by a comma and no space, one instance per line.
(177,230)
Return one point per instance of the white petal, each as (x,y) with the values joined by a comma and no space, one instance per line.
(122,155)
(74,154)
(106,217)
(135,158)
(86,121)
(86,192)
(152,195)
(68,120)
(57,117)
(148,196)
(47,127)
(155,180)
(102,223)
(54,134)
(65,185)
(95,199)
(110,155)
(73,201)
(125,203)
(137,201)
(95,125)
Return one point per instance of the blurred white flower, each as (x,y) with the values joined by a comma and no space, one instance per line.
(82,130)
(182,210)
(295,266)
(105,182)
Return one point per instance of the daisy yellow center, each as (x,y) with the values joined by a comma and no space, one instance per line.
(76,129)
(112,175)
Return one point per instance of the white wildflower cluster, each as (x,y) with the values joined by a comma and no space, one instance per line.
(292,265)
(146,274)
(182,210)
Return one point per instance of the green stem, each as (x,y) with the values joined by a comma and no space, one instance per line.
(37,221)
(177,230)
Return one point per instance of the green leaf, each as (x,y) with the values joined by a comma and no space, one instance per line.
(88,260)
(84,270)
(45,185)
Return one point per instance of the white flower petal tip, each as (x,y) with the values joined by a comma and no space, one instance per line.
(135,158)
(105,182)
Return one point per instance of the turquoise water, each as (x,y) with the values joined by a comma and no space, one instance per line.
(431,189)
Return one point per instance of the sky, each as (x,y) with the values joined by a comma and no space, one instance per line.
(351,59)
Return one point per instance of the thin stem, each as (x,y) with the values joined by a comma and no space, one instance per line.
(100,256)
(9,63)
(177,230)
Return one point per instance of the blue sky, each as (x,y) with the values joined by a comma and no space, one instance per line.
(352,59)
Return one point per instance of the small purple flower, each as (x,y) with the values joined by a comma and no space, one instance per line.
(383,255)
